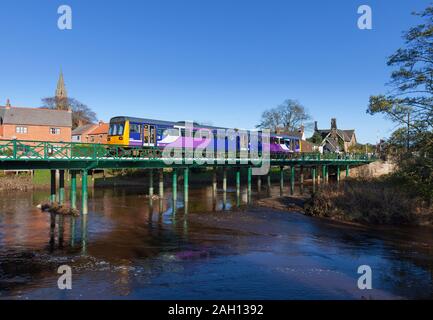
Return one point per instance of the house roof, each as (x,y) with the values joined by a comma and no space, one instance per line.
(346,135)
(331,144)
(83,129)
(36,116)
(101,128)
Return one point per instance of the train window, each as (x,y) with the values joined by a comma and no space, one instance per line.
(120,129)
(113,130)
(116,129)
(160,132)
(134,128)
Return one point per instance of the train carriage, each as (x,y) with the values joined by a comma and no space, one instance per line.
(133,132)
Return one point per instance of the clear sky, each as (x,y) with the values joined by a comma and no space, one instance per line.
(217,61)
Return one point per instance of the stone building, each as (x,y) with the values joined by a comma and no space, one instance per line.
(334,139)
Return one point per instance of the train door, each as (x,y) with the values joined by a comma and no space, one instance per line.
(149,135)
(135,134)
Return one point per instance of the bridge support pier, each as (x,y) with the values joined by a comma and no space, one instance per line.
(53,186)
(61,186)
(174,189)
(269,181)
(214,182)
(74,189)
(338,174)
(161,183)
(292,180)
(313,176)
(238,186)
(150,184)
(84,192)
(347,170)
(301,188)
(224,188)
(150,194)
(324,173)
(327,174)
(259,184)
(185,188)
(250,171)
(281,180)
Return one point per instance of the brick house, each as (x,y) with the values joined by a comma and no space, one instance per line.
(100,133)
(81,133)
(35,124)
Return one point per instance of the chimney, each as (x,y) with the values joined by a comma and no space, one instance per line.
(101,122)
(334,123)
(334,128)
(315,126)
(8,104)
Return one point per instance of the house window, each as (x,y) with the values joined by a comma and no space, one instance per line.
(55,130)
(20,129)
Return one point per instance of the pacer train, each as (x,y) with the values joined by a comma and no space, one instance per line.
(133,132)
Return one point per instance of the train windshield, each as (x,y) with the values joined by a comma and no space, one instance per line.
(116,129)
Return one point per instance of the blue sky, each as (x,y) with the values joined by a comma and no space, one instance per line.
(221,62)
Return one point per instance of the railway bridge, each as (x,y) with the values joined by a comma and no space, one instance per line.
(80,158)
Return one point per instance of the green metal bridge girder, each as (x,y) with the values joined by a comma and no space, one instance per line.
(28,155)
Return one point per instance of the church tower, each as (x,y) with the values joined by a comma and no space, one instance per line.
(61,89)
(61,98)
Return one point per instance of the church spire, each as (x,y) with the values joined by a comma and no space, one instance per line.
(61,88)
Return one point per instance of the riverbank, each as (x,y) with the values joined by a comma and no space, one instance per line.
(370,201)
(12,182)
(376,201)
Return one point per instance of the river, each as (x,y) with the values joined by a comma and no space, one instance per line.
(127,249)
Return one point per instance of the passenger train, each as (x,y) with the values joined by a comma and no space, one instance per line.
(130,131)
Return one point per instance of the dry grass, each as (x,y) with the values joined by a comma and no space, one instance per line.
(374,201)
(16,182)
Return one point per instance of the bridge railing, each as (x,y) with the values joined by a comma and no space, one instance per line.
(46,150)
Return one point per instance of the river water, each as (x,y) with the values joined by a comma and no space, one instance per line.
(127,249)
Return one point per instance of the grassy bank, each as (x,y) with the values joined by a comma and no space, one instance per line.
(24,180)
(374,201)
(12,182)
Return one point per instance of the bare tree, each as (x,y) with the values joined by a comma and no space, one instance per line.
(81,113)
(288,116)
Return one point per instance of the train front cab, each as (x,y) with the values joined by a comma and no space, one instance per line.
(130,133)
(118,133)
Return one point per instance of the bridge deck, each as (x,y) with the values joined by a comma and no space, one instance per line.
(22,155)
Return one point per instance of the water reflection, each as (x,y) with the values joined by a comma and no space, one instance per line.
(132,245)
